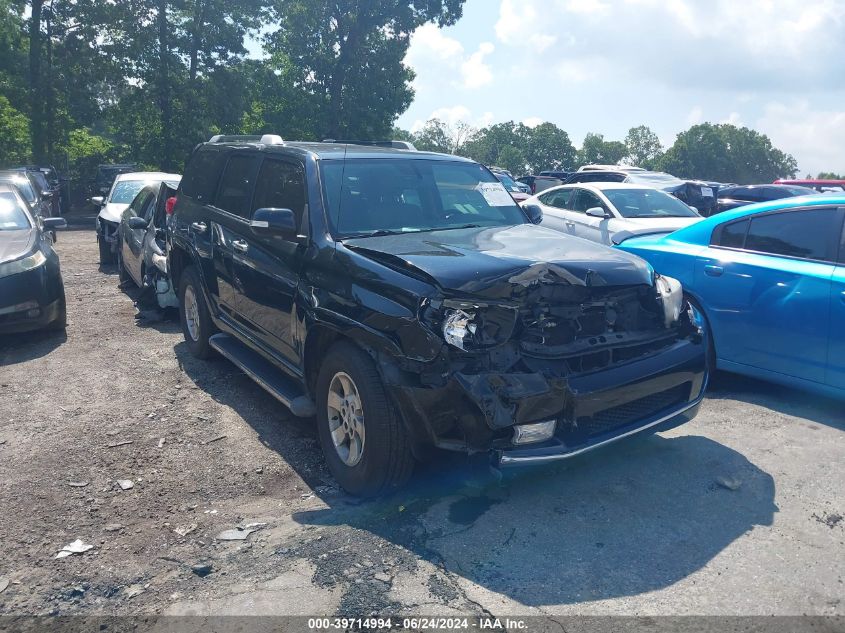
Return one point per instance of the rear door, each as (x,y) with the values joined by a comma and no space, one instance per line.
(836,348)
(133,239)
(766,281)
(556,209)
(267,268)
(588,227)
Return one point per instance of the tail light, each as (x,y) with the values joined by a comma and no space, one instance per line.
(168,206)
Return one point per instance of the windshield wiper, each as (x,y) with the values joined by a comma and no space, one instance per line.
(378,233)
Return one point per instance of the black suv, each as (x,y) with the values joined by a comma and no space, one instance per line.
(405,300)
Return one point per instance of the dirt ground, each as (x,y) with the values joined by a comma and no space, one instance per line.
(739,512)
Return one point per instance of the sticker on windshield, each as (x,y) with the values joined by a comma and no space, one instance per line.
(495,194)
(706,192)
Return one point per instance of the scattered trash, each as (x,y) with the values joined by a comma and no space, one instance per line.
(401,508)
(4,582)
(151,416)
(184,530)
(126,443)
(211,512)
(729,483)
(2,442)
(215,439)
(77,484)
(830,520)
(201,569)
(134,590)
(259,470)
(161,442)
(113,527)
(125,484)
(204,418)
(77,547)
(306,495)
(239,533)
(382,577)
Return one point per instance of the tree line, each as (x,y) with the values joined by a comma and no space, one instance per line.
(86,81)
(719,152)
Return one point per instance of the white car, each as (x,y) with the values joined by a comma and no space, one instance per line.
(610,212)
(121,195)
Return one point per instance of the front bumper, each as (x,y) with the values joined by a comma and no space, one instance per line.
(477,413)
(30,300)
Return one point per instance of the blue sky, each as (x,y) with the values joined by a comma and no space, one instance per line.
(608,65)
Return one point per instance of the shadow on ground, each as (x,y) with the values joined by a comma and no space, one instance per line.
(630,519)
(20,348)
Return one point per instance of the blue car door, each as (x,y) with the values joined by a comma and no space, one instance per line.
(836,349)
(766,284)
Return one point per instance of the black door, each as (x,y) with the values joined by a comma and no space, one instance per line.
(266,268)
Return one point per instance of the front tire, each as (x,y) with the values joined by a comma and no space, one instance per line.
(362,436)
(197,326)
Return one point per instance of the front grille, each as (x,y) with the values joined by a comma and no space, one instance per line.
(618,417)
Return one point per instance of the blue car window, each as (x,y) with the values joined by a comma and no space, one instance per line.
(804,233)
(731,235)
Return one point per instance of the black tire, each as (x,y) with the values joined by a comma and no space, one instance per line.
(386,461)
(122,274)
(711,344)
(106,256)
(204,326)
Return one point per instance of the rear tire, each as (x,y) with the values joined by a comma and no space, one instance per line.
(122,274)
(106,256)
(197,326)
(352,402)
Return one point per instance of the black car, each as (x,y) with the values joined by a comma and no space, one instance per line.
(697,194)
(740,195)
(141,243)
(106,175)
(32,295)
(405,300)
(47,180)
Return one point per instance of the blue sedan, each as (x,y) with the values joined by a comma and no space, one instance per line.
(770,279)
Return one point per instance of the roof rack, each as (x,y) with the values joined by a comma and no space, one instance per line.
(266,139)
(394,144)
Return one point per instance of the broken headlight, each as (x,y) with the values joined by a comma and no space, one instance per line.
(471,328)
(671,295)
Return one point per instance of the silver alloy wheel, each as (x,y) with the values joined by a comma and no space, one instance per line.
(346,418)
(192,313)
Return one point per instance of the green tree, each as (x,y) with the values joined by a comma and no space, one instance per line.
(644,148)
(548,148)
(727,153)
(14,134)
(829,175)
(347,57)
(596,150)
(500,145)
(437,136)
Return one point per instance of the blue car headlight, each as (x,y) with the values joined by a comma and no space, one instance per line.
(696,318)
(22,265)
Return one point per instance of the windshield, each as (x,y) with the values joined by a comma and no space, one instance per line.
(377,196)
(647,203)
(124,192)
(508,182)
(13,216)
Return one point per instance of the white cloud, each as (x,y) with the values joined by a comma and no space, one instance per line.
(587,7)
(474,71)
(695,116)
(814,137)
(533,121)
(734,118)
(522,25)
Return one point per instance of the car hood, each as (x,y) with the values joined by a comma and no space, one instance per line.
(498,262)
(112,212)
(16,244)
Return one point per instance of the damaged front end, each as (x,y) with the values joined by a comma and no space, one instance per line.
(548,365)
(157,277)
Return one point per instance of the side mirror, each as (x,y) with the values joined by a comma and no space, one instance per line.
(274,222)
(137,222)
(51,224)
(534,213)
(46,194)
(98,201)
(597,212)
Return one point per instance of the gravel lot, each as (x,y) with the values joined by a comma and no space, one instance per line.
(739,512)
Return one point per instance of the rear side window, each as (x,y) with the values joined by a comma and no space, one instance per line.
(236,184)
(804,234)
(202,174)
(281,185)
(732,235)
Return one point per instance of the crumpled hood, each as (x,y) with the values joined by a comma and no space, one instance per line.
(497,261)
(16,244)
(112,212)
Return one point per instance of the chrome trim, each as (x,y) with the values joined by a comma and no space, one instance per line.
(505,460)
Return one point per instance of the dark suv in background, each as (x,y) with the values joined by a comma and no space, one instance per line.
(406,301)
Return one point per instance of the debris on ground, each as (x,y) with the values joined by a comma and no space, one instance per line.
(4,582)
(133,590)
(240,533)
(125,484)
(830,520)
(215,439)
(77,547)
(729,483)
(77,484)
(126,443)
(161,441)
(113,527)
(383,577)
(306,495)
(184,530)
(201,569)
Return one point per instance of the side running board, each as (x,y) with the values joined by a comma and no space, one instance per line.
(269,377)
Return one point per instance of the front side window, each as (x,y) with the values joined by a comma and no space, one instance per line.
(13,216)
(369,196)
(280,185)
(648,203)
(236,184)
(559,199)
(586,200)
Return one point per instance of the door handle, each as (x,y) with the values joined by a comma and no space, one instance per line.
(241,246)
(713,271)
(199,227)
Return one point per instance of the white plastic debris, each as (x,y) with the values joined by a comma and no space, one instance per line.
(77,547)
(125,484)
(4,582)
(240,533)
